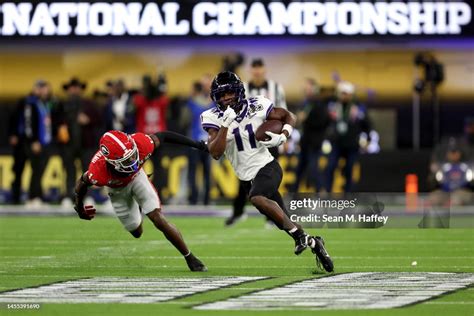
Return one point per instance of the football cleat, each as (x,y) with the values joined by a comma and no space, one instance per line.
(322,256)
(231,221)
(301,243)
(195,264)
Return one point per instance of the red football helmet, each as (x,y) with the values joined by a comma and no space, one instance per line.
(120,150)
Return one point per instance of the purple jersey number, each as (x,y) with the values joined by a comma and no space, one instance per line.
(238,138)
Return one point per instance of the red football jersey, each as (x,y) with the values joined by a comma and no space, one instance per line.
(101,173)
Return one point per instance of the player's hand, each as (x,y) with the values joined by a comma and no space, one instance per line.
(275,140)
(86,212)
(229,117)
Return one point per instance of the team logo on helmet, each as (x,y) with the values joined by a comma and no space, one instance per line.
(104,150)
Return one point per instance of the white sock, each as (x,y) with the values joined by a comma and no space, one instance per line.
(291,231)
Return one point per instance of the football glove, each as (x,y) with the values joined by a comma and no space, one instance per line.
(229,117)
(275,140)
(86,212)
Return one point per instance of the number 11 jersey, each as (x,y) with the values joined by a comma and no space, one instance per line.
(245,153)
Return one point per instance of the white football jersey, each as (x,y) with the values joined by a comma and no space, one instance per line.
(246,155)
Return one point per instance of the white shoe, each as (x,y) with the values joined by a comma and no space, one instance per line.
(66,203)
(35,203)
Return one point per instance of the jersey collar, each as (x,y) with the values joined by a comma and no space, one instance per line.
(243,112)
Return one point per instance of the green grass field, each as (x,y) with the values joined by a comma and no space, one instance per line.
(44,250)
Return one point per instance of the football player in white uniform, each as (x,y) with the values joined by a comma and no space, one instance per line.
(231,127)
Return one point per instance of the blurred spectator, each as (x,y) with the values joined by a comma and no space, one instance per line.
(430,75)
(151,105)
(178,117)
(30,136)
(348,121)
(101,100)
(120,110)
(451,175)
(199,102)
(315,120)
(232,61)
(83,121)
(258,85)
(433,73)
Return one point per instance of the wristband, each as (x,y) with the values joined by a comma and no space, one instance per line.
(288,128)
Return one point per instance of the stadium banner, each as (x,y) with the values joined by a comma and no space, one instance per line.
(316,19)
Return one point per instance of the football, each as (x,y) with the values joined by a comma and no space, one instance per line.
(273,126)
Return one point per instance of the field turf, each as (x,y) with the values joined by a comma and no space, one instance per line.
(44,250)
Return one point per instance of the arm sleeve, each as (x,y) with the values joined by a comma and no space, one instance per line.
(175,138)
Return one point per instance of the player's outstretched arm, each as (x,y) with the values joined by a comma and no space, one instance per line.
(85,212)
(178,139)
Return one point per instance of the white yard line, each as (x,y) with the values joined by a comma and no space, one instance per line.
(122,290)
(360,290)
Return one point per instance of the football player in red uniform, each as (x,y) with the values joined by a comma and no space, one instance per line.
(118,166)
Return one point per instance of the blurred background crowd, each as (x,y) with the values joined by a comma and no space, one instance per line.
(350,136)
